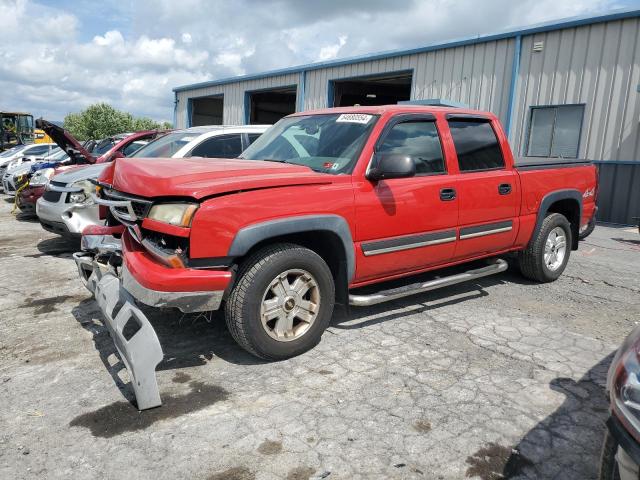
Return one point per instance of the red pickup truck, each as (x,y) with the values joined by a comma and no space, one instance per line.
(323,203)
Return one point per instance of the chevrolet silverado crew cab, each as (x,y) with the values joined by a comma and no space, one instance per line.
(322,204)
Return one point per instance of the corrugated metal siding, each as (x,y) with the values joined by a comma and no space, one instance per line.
(598,65)
(233,106)
(472,74)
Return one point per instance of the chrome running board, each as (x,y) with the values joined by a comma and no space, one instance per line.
(495,266)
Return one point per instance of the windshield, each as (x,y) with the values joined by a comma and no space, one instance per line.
(325,143)
(166,146)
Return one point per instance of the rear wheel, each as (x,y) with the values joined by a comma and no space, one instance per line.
(547,254)
(281,303)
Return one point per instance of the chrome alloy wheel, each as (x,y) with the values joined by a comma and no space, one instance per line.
(290,305)
(555,249)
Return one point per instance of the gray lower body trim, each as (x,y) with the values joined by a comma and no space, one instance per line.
(186,302)
(408,242)
(488,229)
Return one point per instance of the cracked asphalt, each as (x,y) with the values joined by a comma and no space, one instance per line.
(499,378)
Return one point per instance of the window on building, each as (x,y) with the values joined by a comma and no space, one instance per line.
(476,145)
(555,131)
(420,140)
(223,146)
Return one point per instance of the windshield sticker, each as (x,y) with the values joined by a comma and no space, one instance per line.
(328,165)
(362,118)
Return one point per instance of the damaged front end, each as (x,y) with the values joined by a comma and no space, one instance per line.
(100,268)
(132,264)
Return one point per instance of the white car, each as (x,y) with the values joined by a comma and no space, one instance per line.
(212,141)
(15,169)
(19,151)
(66,207)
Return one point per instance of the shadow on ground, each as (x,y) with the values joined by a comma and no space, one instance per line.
(191,340)
(566,444)
(57,247)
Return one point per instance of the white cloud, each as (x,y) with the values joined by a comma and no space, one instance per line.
(331,51)
(46,67)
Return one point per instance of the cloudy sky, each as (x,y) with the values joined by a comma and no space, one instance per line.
(59,56)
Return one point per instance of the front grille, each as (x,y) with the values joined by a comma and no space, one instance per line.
(138,206)
(58,184)
(51,196)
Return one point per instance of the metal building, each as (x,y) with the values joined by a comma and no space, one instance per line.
(568,89)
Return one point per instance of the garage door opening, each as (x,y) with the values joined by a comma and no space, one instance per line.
(206,111)
(378,90)
(269,106)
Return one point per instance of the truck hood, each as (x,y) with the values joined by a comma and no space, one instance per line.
(203,177)
(78,173)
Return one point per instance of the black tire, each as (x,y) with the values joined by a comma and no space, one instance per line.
(608,463)
(242,309)
(591,226)
(531,260)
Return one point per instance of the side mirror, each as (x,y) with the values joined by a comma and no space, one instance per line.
(391,165)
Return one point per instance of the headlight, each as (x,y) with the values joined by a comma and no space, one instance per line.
(179,214)
(623,383)
(85,195)
(41,177)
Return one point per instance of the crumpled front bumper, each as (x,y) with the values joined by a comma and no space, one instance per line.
(75,217)
(133,335)
(113,269)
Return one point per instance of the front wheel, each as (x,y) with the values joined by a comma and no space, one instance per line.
(281,303)
(547,254)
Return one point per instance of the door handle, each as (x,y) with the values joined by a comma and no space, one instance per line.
(504,188)
(447,194)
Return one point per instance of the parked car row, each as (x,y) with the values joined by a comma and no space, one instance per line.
(55,182)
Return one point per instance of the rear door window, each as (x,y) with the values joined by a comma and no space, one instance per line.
(476,145)
(420,140)
(222,146)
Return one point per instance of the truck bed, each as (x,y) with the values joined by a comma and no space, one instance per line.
(538,163)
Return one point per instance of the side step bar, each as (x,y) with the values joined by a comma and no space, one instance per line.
(495,266)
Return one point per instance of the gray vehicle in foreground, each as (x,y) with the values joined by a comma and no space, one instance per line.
(621,448)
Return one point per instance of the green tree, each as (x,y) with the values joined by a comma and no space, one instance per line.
(102,120)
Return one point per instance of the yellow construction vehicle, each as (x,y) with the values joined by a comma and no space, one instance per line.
(40,136)
(15,128)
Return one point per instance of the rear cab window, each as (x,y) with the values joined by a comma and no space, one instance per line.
(476,145)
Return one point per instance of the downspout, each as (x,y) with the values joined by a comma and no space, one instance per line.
(515,72)
(189,107)
(175,109)
(301,88)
